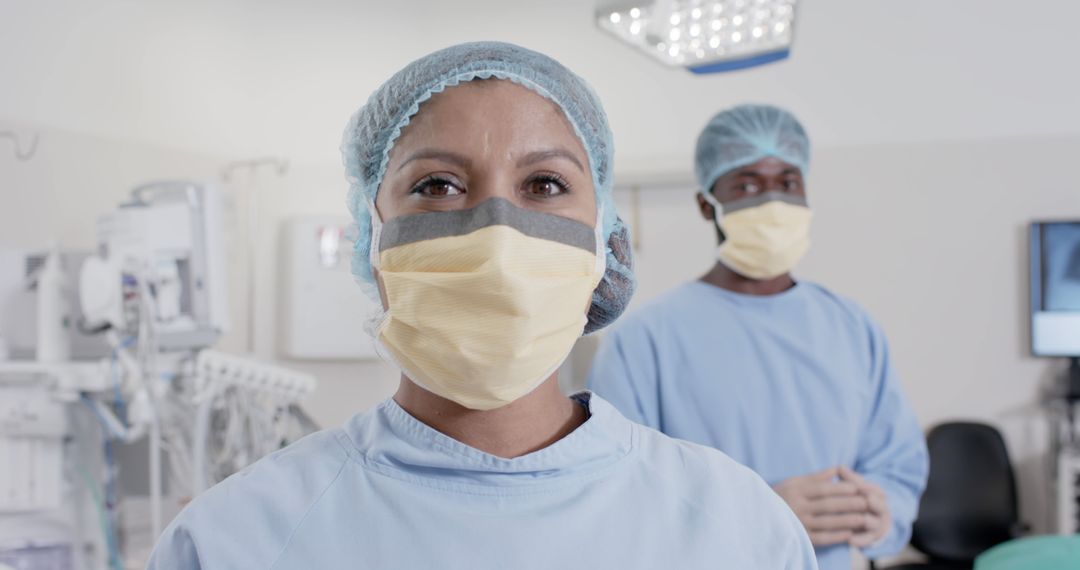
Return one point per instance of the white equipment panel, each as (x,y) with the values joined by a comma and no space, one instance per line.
(32,426)
(1068,492)
(324,310)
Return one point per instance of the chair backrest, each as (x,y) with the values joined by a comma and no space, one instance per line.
(970,501)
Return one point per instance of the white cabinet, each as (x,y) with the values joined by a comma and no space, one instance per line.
(323,308)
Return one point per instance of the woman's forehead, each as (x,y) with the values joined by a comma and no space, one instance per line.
(480,113)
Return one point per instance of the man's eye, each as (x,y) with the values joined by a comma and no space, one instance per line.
(750,188)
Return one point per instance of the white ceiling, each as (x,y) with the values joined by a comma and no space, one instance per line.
(239,78)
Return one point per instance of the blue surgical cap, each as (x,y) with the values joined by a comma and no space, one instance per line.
(372,131)
(746,134)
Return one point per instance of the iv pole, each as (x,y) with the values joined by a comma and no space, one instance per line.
(281,167)
(1072,391)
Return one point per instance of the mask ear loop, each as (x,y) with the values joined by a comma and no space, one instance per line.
(600,267)
(381,316)
(718,212)
(376,234)
(601,245)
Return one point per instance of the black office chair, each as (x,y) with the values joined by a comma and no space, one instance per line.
(970,501)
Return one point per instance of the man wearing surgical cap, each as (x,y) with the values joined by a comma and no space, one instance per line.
(480,183)
(783,375)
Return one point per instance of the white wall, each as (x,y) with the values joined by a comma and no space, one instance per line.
(72,177)
(251,77)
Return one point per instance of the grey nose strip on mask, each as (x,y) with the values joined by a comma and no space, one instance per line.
(493,212)
(754,201)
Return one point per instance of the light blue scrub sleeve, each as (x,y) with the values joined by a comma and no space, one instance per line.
(892,452)
(802,555)
(175,550)
(625,373)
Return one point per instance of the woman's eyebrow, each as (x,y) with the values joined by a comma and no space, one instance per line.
(436,154)
(542,155)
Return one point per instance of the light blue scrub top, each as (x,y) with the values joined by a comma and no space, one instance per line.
(388,492)
(787,384)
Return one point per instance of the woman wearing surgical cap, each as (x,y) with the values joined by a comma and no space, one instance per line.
(481,188)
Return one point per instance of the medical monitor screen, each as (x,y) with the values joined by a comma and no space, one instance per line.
(1055,288)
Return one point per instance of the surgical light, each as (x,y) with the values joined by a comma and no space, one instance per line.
(701,35)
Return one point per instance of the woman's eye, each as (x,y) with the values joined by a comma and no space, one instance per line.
(443,189)
(750,188)
(791,185)
(546,187)
(437,188)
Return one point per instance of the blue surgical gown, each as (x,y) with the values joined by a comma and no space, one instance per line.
(787,384)
(389,492)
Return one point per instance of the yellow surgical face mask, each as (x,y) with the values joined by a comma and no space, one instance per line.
(484,304)
(765,236)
